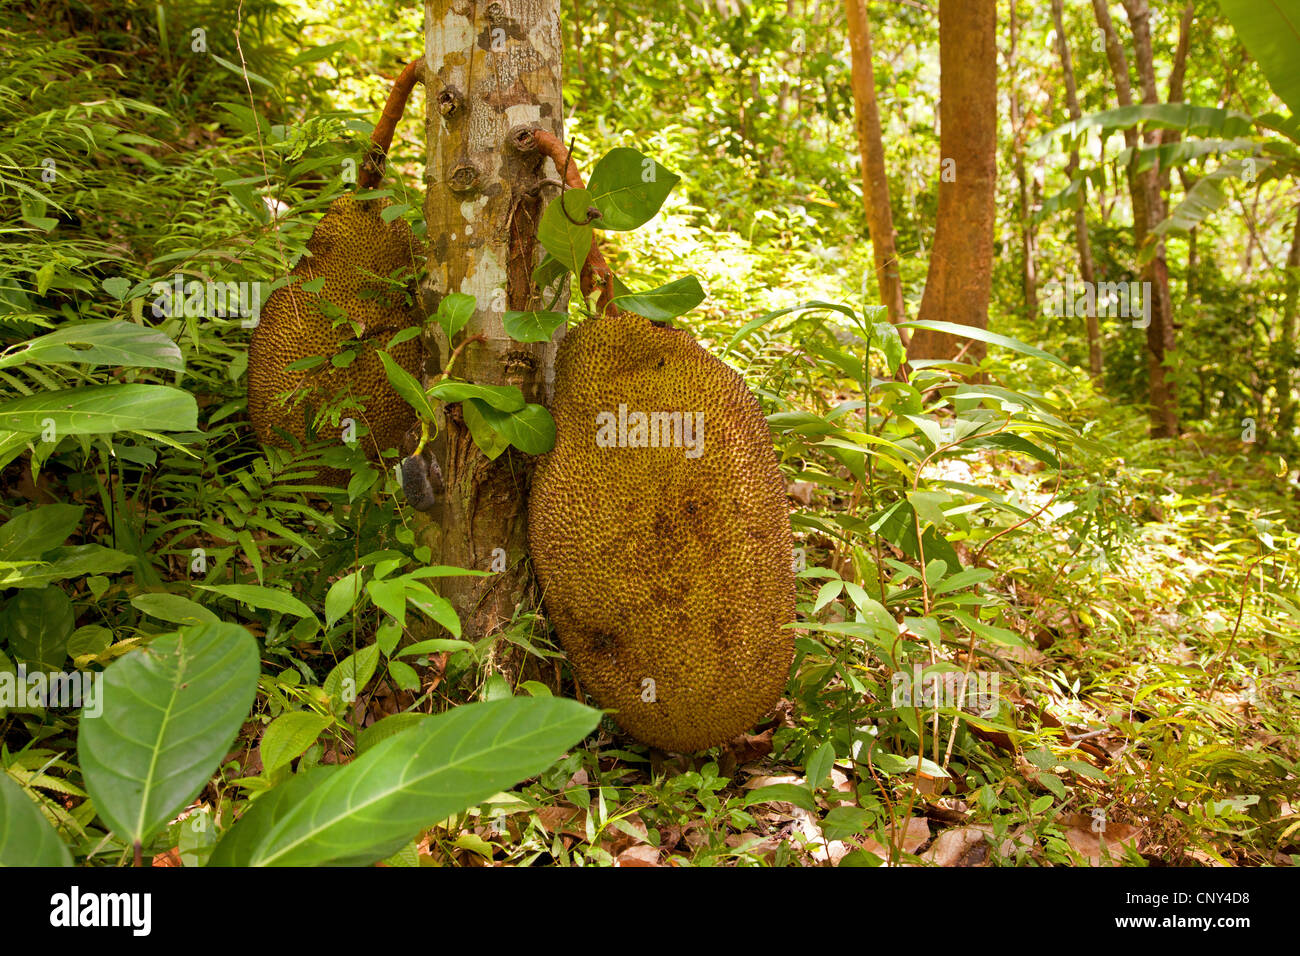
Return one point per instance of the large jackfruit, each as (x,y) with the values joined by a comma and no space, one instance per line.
(663,548)
(350,247)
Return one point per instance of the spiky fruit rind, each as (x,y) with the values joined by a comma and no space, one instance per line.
(668,578)
(350,246)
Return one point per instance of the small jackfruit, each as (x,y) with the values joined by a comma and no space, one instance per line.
(660,533)
(350,249)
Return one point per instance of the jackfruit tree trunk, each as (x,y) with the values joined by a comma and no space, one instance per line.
(491,69)
(875,183)
(960,278)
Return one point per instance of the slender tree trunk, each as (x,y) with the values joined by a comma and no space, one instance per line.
(1082,237)
(960,276)
(1028,237)
(485,80)
(875,183)
(1148,209)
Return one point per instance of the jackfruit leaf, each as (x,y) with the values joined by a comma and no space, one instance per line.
(263,598)
(533,326)
(39,623)
(352,674)
(983,335)
(313,285)
(102,409)
(342,597)
(305,364)
(369,809)
(454,312)
(1271,32)
(503,398)
(389,213)
(38,530)
(489,441)
(99,343)
(666,302)
(628,188)
(171,710)
(561,236)
(404,336)
(547,271)
(531,429)
(288,736)
(70,562)
(406,385)
(173,608)
(26,837)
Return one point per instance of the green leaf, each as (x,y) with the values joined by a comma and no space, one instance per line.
(37,530)
(530,429)
(983,335)
(533,326)
(388,727)
(39,623)
(350,676)
(101,410)
(288,736)
(267,599)
(505,398)
(559,236)
(170,713)
(797,794)
(342,597)
(69,562)
(173,608)
(489,440)
(628,188)
(454,312)
(666,302)
(406,385)
(445,764)
(1270,30)
(26,837)
(99,343)
(432,605)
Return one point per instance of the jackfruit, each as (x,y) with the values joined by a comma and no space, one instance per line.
(350,248)
(660,533)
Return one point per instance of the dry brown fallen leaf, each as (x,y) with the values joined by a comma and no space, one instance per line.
(642,855)
(1085,841)
(918,831)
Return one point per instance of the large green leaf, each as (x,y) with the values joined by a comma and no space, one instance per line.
(171,712)
(369,809)
(39,623)
(99,343)
(26,837)
(38,530)
(73,561)
(983,335)
(406,385)
(628,188)
(531,429)
(101,409)
(1204,199)
(268,599)
(567,237)
(1270,30)
(666,302)
(506,398)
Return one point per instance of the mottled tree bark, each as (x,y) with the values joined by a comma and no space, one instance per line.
(875,183)
(1285,343)
(960,276)
(1028,236)
(491,69)
(1082,238)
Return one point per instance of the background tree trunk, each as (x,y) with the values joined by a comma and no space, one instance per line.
(485,78)
(1028,233)
(960,276)
(1082,238)
(875,183)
